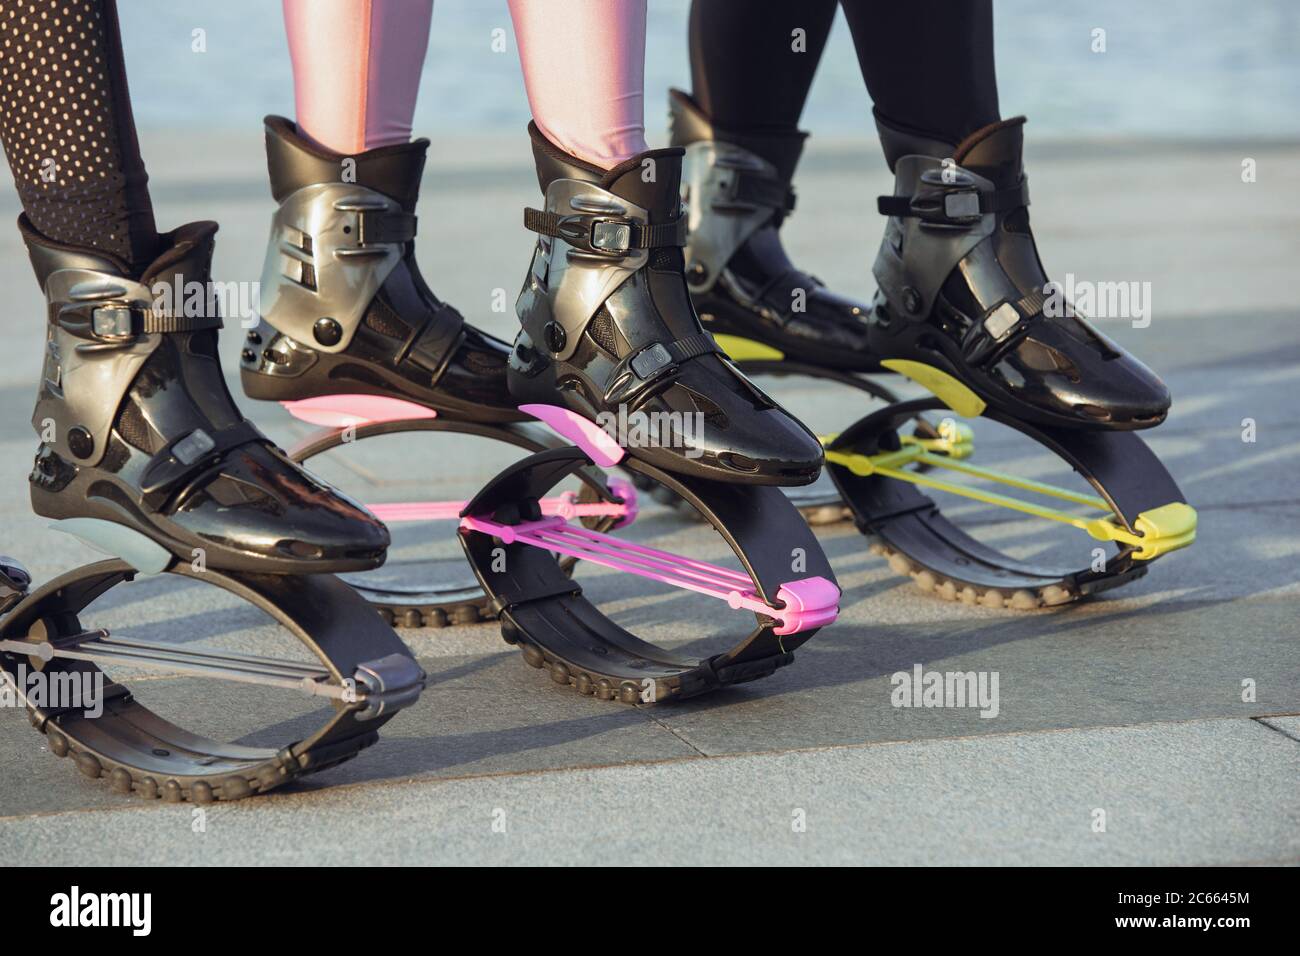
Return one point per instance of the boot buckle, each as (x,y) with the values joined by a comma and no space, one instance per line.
(109,324)
(962,205)
(650,361)
(112,323)
(375,225)
(638,372)
(611,235)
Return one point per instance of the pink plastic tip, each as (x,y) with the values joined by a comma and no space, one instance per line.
(340,411)
(627,491)
(809,602)
(597,443)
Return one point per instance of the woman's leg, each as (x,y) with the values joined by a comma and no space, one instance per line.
(752,63)
(584,70)
(356,69)
(928,64)
(136,424)
(68,131)
(608,331)
(750,70)
(961,286)
(344,295)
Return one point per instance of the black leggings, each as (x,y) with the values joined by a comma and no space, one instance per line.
(927,64)
(65,118)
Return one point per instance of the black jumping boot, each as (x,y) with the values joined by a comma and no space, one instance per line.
(138,428)
(609,332)
(344,308)
(738,193)
(961,290)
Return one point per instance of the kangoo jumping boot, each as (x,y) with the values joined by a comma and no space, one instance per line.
(138,430)
(344,308)
(963,294)
(738,191)
(609,331)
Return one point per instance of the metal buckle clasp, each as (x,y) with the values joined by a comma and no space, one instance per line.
(112,323)
(360,208)
(947,197)
(651,361)
(962,205)
(611,235)
(642,369)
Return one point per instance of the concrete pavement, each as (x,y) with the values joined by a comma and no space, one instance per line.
(1132,704)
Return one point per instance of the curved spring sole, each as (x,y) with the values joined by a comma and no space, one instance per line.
(427,606)
(1131,476)
(1132,502)
(127,780)
(361,667)
(544,612)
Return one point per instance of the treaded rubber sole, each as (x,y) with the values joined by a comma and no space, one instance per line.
(943,586)
(566,675)
(226,787)
(931,580)
(546,615)
(908,528)
(416,616)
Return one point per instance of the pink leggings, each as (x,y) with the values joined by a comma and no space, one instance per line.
(356,71)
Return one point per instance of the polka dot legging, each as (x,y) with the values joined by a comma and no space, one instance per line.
(65,118)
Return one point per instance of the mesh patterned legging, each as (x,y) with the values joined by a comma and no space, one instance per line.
(67,127)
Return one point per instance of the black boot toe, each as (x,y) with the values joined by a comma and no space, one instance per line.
(259,504)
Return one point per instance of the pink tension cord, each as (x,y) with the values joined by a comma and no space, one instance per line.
(805,604)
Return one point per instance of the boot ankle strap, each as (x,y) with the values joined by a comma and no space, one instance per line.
(114,323)
(605,235)
(956,203)
(377,223)
(433,344)
(114,312)
(746,186)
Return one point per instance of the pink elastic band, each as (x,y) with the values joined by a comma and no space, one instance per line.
(807,603)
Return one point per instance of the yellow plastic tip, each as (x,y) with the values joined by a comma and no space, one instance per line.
(947,389)
(741,349)
(1165,529)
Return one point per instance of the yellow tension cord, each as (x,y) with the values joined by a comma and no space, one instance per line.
(1159,530)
